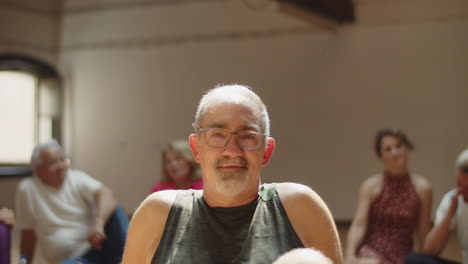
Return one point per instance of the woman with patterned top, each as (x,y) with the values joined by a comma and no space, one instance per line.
(393,208)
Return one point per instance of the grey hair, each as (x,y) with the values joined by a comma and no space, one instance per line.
(35,156)
(235,93)
(462,160)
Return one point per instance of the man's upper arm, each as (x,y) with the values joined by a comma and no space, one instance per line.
(311,219)
(24,219)
(147,227)
(87,185)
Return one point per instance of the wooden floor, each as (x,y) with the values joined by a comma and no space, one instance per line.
(451,252)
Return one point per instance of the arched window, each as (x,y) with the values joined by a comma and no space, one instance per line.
(30,110)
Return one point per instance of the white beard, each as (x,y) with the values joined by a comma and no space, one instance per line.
(232,183)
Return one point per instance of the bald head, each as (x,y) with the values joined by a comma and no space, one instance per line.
(303,256)
(235,94)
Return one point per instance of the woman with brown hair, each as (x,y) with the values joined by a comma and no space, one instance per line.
(393,208)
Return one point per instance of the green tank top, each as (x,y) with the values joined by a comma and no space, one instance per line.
(258,232)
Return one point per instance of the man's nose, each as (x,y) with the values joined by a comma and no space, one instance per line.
(232,147)
(62,163)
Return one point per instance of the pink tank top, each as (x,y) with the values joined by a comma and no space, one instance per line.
(393,218)
(170,185)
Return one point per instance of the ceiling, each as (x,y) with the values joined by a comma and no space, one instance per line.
(340,11)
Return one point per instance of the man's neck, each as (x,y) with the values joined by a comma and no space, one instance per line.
(216,199)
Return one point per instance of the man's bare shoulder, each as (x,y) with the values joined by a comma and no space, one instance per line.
(298,195)
(157,204)
(147,226)
(25,183)
(161,198)
(310,218)
(291,188)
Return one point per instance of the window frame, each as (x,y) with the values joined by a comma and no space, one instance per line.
(42,71)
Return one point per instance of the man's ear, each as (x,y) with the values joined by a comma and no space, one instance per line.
(268,151)
(194,146)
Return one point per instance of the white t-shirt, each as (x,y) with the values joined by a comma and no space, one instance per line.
(60,217)
(460,221)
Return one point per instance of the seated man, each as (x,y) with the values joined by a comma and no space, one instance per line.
(68,213)
(451,214)
(234,219)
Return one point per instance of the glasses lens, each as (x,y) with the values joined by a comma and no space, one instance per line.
(217,138)
(249,140)
(59,162)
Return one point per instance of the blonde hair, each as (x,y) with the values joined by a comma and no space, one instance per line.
(182,146)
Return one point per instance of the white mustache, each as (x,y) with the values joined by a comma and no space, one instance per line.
(236,161)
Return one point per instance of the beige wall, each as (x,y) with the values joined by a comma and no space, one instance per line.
(135,72)
(31,28)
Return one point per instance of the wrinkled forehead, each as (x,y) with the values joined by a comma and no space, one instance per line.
(234,116)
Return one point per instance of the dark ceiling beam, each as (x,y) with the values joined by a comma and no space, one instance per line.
(340,11)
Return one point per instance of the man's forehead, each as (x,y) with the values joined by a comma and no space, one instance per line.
(51,152)
(231,115)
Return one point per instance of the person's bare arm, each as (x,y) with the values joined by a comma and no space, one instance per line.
(437,238)
(105,206)
(424,225)
(311,219)
(28,243)
(359,225)
(147,227)
(7,216)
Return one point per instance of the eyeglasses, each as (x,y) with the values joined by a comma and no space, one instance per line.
(55,163)
(219,138)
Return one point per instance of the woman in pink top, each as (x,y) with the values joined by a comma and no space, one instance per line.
(393,209)
(179,169)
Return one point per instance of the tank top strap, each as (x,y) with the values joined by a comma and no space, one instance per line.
(267,191)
